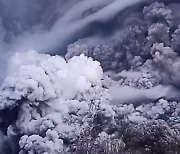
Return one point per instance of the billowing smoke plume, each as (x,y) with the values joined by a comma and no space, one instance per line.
(23,30)
(82,76)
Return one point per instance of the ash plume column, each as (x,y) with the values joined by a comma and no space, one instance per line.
(49,104)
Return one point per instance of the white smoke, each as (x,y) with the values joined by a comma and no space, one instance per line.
(42,77)
(129,95)
(72,25)
(54,89)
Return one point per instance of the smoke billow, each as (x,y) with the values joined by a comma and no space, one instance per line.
(80,76)
(25,30)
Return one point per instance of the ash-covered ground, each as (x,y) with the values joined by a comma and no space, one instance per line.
(90,77)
